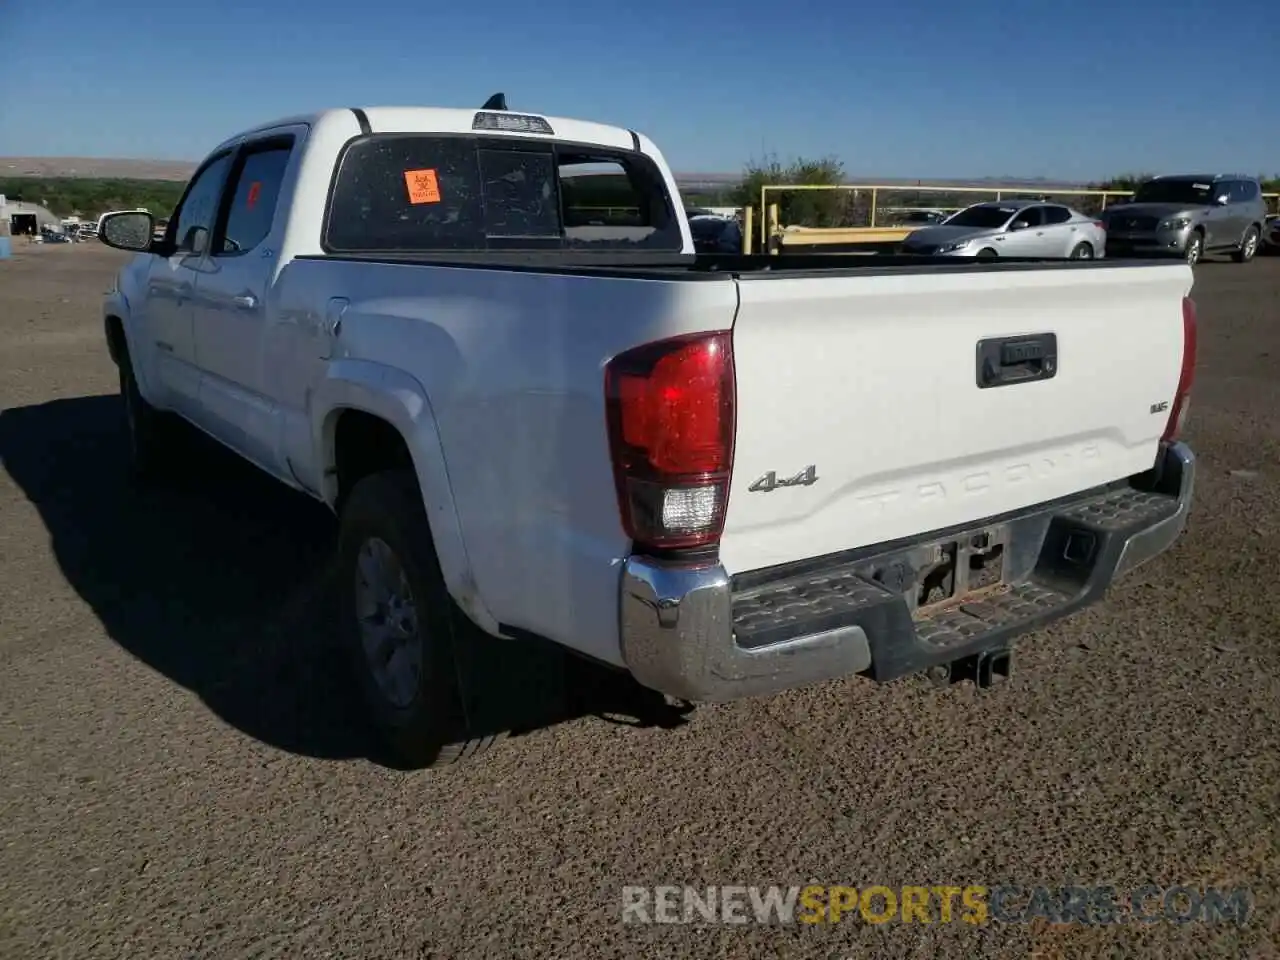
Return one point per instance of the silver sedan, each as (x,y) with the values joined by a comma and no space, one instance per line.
(1022,228)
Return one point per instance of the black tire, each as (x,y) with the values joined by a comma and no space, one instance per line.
(1248,246)
(1194,251)
(1082,251)
(430,729)
(986,253)
(150,432)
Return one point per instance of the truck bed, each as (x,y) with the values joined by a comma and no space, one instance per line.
(858,417)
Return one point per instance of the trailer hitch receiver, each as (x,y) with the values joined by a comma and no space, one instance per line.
(982,668)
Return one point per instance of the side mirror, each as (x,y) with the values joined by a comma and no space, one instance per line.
(127,230)
(1019,225)
(1222,200)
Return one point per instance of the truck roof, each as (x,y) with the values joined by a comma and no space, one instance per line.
(392,119)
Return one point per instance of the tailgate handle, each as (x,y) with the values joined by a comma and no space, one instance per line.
(1005,361)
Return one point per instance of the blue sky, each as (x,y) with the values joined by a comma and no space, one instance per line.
(911,89)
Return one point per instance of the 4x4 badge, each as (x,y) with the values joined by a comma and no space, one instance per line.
(806,477)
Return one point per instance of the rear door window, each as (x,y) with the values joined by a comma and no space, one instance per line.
(1031,216)
(1054,215)
(412,193)
(256,189)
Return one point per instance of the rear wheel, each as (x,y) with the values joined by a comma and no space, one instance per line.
(400,625)
(1195,248)
(1082,251)
(1248,246)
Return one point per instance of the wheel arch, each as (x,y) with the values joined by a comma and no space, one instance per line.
(118,327)
(357,393)
(113,329)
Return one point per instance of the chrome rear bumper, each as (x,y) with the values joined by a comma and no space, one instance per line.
(687,632)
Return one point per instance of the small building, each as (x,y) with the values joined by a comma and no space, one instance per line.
(30,219)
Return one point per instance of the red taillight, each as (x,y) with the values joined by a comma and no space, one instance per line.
(1182,398)
(671,424)
(1100,225)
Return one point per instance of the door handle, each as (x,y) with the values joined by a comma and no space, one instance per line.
(1003,361)
(245,301)
(166,347)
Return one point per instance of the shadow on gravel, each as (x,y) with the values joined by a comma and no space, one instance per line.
(218,582)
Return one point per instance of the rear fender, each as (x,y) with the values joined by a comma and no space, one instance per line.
(401,400)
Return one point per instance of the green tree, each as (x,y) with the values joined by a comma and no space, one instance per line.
(1271,185)
(91,196)
(1127,182)
(809,208)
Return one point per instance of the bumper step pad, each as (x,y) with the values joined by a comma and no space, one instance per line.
(1055,561)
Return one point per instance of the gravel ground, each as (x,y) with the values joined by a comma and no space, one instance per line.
(182,773)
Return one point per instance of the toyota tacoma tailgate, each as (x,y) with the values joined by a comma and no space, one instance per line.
(875,407)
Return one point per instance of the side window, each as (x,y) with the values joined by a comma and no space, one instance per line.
(599,194)
(610,199)
(191,226)
(1030,216)
(1248,191)
(255,190)
(1054,215)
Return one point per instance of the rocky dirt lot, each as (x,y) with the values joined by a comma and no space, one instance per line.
(183,774)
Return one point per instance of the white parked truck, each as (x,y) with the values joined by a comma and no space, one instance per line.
(541,415)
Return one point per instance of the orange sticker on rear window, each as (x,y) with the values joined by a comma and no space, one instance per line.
(423,186)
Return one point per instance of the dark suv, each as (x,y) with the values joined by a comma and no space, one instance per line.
(1190,215)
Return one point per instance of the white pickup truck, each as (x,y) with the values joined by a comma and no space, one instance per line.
(538,414)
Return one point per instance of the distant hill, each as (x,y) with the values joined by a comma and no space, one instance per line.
(104,168)
(87,186)
(91,196)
